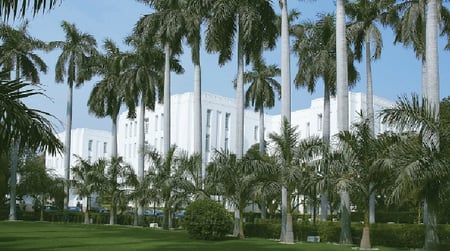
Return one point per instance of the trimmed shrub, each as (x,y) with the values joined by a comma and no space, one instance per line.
(263,230)
(206,219)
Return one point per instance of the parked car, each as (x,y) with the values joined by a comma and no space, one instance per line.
(51,208)
(154,212)
(99,210)
(74,209)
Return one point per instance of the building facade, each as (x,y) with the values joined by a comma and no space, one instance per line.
(218,124)
(87,143)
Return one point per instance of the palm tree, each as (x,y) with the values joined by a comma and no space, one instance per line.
(108,95)
(169,181)
(358,167)
(316,47)
(88,179)
(235,179)
(143,80)
(342,107)
(196,13)
(114,184)
(17,54)
(409,24)
(19,120)
(261,92)
(167,24)
(364,14)
(287,234)
(74,64)
(19,8)
(422,161)
(254,25)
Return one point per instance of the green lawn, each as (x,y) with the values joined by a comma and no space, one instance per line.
(39,236)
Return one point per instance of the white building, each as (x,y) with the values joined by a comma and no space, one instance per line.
(89,144)
(218,123)
(218,119)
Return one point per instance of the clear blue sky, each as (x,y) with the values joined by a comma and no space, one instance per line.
(398,72)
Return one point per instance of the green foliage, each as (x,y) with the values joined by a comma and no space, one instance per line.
(206,219)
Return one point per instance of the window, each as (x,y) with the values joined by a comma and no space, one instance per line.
(162,121)
(105,147)
(126,130)
(208,118)
(207,143)
(308,129)
(255,133)
(146,125)
(90,145)
(130,132)
(227,121)
(156,122)
(161,142)
(319,122)
(135,128)
(226,144)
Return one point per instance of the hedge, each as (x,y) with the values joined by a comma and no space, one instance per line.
(389,235)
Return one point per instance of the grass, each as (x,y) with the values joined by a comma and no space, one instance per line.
(40,236)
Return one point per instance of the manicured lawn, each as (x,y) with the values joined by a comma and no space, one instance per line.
(39,236)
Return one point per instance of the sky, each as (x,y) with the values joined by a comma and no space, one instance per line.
(396,73)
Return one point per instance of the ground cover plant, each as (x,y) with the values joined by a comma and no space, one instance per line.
(40,236)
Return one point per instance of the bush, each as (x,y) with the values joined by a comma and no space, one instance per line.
(206,219)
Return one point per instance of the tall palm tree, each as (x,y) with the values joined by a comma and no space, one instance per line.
(196,14)
(143,80)
(17,54)
(261,92)
(409,23)
(315,46)
(143,83)
(343,109)
(74,66)
(253,23)
(19,8)
(364,14)
(422,161)
(167,24)
(287,234)
(108,94)
(88,178)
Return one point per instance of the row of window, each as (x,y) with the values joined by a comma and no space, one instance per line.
(131,128)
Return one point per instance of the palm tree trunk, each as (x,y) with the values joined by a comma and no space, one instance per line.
(241,223)
(86,211)
(141,158)
(431,231)
(424,78)
(432,54)
(370,117)
(365,239)
(167,53)
(198,116)
(13,181)
(14,164)
(261,131)
(112,212)
(326,139)
(114,138)
(240,99)
(67,142)
(286,232)
(342,107)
